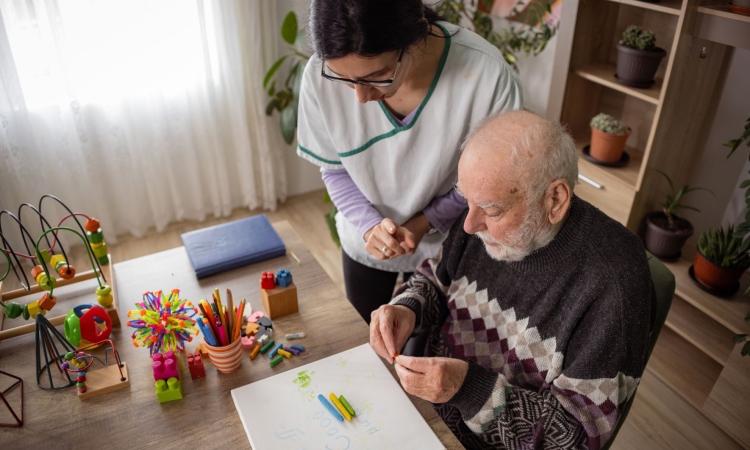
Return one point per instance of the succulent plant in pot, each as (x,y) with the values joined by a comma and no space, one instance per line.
(666,232)
(608,137)
(638,57)
(720,262)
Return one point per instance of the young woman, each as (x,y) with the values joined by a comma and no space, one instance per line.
(385,103)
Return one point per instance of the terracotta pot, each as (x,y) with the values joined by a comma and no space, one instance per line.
(607,147)
(741,3)
(715,276)
(664,243)
(637,68)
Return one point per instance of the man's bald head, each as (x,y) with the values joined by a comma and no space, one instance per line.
(532,148)
(517,172)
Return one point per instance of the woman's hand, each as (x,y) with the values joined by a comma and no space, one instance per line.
(387,240)
(418,226)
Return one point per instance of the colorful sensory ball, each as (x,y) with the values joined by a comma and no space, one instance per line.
(162,323)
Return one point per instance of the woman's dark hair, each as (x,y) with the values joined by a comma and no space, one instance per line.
(368,27)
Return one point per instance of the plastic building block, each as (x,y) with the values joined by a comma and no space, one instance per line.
(195,365)
(283,278)
(267,280)
(169,390)
(280,301)
(165,366)
(248,342)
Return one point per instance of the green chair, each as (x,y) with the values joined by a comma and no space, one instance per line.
(664,285)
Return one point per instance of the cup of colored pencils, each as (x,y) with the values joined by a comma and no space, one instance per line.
(220,325)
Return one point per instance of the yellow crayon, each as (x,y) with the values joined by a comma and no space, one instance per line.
(340,407)
(284,353)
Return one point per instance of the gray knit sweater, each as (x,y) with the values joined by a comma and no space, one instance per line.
(556,343)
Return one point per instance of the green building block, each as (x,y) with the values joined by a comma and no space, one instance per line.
(168,391)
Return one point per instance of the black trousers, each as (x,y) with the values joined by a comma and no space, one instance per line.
(366,288)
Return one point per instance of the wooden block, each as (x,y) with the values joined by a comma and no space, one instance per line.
(203,350)
(280,301)
(105,380)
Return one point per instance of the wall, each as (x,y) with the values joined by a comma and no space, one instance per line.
(301,175)
(713,170)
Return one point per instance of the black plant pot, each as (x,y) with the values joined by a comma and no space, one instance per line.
(664,243)
(636,68)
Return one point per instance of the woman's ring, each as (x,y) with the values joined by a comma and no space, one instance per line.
(384,249)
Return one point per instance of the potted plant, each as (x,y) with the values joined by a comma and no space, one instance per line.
(608,137)
(719,262)
(666,233)
(740,338)
(638,57)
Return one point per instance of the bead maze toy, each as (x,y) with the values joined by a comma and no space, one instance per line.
(279,293)
(51,270)
(162,323)
(86,323)
(94,383)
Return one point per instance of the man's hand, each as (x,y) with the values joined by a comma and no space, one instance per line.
(387,240)
(390,328)
(433,379)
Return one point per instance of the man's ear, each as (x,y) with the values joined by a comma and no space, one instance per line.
(557,201)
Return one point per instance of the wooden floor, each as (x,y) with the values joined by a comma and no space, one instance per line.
(659,418)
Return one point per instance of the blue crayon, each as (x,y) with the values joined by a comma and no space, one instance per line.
(330,408)
(298,347)
(274,350)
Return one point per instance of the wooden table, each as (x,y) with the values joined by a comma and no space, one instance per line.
(206,417)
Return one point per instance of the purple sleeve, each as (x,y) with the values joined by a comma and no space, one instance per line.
(350,200)
(443,211)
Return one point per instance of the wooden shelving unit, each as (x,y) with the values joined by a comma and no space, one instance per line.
(695,355)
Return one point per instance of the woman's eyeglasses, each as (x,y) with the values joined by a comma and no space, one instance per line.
(379,83)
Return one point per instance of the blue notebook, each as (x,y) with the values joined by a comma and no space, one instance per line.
(231,245)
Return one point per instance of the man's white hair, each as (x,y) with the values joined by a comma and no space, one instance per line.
(552,147)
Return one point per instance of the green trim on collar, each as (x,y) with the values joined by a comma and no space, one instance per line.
(397,129)
(328,161)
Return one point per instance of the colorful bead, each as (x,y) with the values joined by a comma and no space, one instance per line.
(104,260)
(100,251)
(92,225)
(45,255)
(13,310)
(95,237)
(45,282)
(36,271)
(25,312)
(66,272)
(93,246)
(104,290)
(105,300)
(47,302)
(34,309)
(55,260)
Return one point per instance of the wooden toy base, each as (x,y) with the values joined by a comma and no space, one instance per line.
(105,380)
(58,320)
(280,301)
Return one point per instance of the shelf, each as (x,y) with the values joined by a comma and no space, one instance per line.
(604,74)
(665,6)
(627,174)
(708,335)
(684,368)
(729,312)
(723,11)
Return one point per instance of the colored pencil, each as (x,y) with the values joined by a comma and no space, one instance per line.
(230,318)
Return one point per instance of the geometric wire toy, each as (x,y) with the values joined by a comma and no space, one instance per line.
(46,334)
(79,362)
(19,421)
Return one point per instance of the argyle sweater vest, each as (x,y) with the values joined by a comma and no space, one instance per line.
(556,342)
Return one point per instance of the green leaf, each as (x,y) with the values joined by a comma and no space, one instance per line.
(299,41)
(273,70)
(289,28)
(746,349)
(745,184)
(738,338)
(331,221)
(272,89)
(288,122)
(273,104)
(745,246)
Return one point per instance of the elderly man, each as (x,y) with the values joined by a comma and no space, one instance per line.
(539,306)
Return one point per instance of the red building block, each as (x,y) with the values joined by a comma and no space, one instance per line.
(165,366)
(267,280)
(195,365)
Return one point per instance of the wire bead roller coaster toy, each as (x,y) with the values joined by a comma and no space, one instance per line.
(48,266)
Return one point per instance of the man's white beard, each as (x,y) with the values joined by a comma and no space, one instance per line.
(533,234)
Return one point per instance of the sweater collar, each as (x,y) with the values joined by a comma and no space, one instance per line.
(565,244)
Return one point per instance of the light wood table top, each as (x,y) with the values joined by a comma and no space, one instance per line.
(206,417)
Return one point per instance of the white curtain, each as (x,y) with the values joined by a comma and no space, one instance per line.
(139,112)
